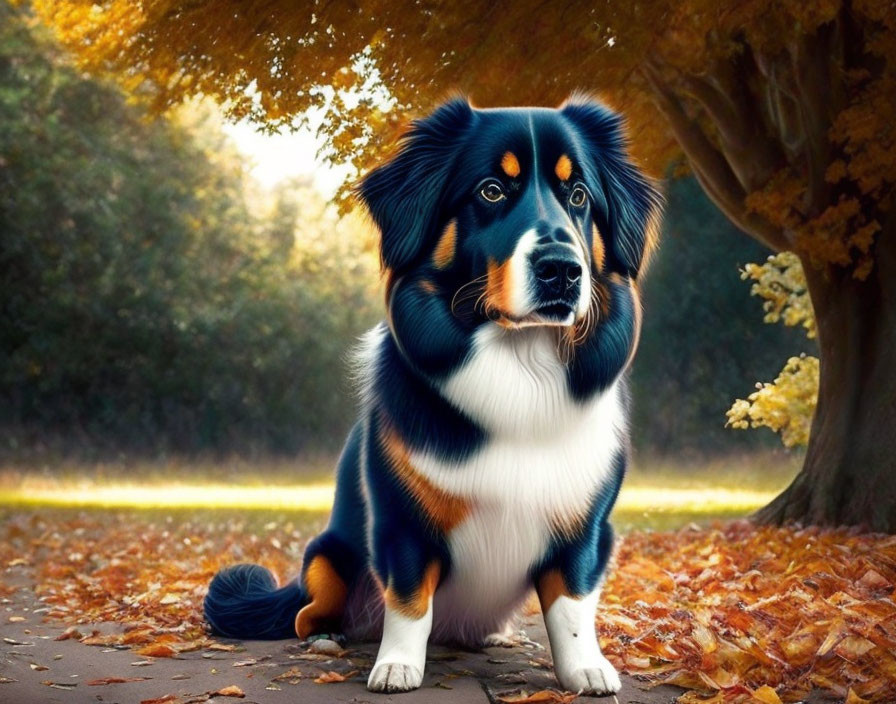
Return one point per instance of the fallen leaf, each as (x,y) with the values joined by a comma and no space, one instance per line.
(231,691)
(293,673)
(97,638)
(7,680)
(766,695)
(157,650)
(115,680)
(160,700)
(60,685)
(68,633)
(853,698)
(331,677)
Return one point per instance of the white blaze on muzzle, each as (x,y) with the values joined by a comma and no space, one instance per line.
(522,297)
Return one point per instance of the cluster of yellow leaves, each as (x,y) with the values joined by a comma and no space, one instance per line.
(734,613)
(781,283)
(787,404)
(745,614)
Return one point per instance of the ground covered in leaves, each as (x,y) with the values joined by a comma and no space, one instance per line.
(733,613)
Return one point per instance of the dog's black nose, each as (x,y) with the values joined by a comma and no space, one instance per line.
(558,274)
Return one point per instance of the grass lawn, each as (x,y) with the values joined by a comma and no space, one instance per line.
(656,495)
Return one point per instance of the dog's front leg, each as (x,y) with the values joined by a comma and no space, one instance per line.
(578,662)
(407,623)
(402,655)
(568,591)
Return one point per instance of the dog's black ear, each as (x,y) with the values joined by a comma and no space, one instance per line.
(628,201)
(404,195)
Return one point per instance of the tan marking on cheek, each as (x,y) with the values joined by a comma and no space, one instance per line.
(498,287)
(563,168)
(444,253)
(550,587)
(328,595)
(444,510)
(417,604)
(598,251)
(510,165)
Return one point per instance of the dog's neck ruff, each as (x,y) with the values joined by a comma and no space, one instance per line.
(514,385)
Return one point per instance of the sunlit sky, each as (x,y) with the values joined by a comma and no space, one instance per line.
(274,158)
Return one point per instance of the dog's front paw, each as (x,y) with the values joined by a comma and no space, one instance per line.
(394,677)
(599,679)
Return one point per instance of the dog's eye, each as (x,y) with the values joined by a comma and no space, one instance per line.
(492,192)
(577,197)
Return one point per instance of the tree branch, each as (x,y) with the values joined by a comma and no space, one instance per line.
(710,166)
(817,90)
(781,103)
(753,158)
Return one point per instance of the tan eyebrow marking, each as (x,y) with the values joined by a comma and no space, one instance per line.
(444,254)
(563,169)
(510,164)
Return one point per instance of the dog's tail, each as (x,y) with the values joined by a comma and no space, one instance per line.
(243,601)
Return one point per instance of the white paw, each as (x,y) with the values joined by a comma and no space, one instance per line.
(394,677)
(598,679)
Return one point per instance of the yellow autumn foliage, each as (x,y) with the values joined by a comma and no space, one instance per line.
(781,283)
(787,404)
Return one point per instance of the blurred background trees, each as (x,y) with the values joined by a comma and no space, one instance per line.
(701,342)
(150,300)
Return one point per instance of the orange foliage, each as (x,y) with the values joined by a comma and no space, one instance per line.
(750,613)
(783,109)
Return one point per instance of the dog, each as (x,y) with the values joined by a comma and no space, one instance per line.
(492,437)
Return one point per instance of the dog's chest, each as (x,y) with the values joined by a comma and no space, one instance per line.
(546,458)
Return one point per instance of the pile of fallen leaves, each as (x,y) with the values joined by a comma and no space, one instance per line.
(734,613)
(740,613)
(149,576)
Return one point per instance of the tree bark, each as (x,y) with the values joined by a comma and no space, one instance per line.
(849,474)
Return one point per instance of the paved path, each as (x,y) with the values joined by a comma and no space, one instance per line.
(452,677)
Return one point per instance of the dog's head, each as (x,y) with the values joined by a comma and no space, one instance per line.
(514,214)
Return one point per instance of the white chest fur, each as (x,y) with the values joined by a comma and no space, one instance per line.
(546,458)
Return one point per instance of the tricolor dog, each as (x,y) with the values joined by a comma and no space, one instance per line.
(492,438)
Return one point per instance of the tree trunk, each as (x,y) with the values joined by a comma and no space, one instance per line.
(849,474)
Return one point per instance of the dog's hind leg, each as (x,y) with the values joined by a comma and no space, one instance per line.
(327,575)
(335,559)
